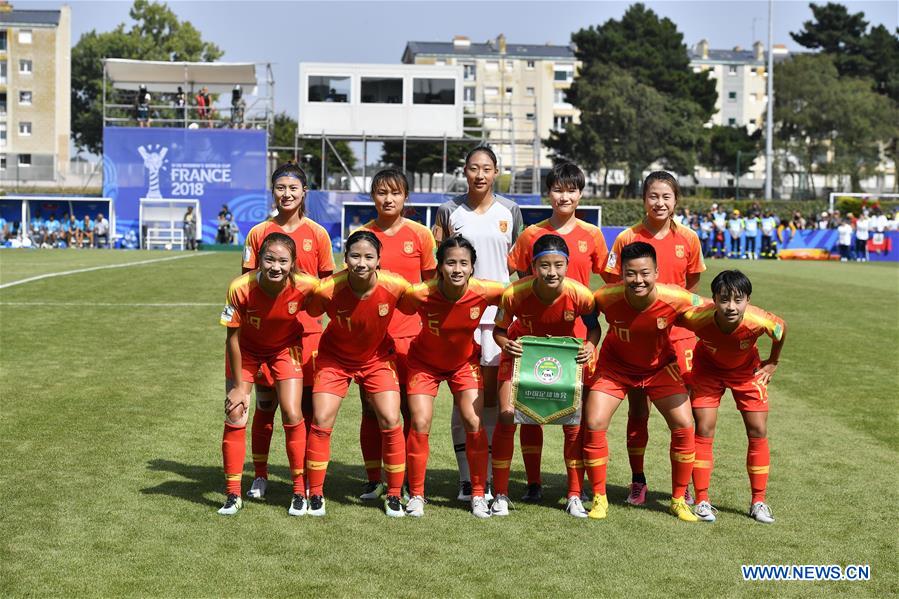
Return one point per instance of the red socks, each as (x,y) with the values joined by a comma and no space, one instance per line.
(683,452)
(261,439)
(758,460)
(637,438)
(476,450)
(503,447)
(295,442)
(596,459)
(370,442)
(318,454)
(417,461)
(574,458)
(234,448)
(531,438)
(702,467)
(393,448)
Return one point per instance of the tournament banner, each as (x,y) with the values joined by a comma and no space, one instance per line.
(215,166)
(547,381)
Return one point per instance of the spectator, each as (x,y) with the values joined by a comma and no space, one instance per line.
(706,234)
(204,106)
(751,225)
(823,221)
(190,229)
(223,233)
(101,231)
(720,221)
(38,230)
(234,230)
(862,227)
(53,231)
(844,240)
(142,105)
(180,104)
(879,223)
(85,232)
(769,226)
(4,229)
(238,108)
(735,227)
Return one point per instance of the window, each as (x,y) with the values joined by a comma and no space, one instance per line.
(329,88)
(732,70)
(491,92)
(731,96)
(529,91)
(24,159)
(3,162)
(559,97)
(563,73)
(469,72)
(25,67)
(433,91)
(3,41)
(2,103)
(2,134)
(508,91)
(530,116)
(531,65)
(492,65)
(24,36)
(24,98)
(382,90)
(731,122)
(468,95)
(24,128)
(3,72)
(560,122)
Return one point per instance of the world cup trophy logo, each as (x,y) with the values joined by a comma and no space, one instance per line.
(153,162)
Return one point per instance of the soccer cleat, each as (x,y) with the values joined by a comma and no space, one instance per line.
(637,495)
(575,508)
(298,506)
(680,509)
(258,488)
(393,507)
(416,507)
(705,512)
(372,490)
(316,506)
(500,506)
(488,491)
(479,507)
(464,490)
(688,497)
(600,507)
(761,512)
(233,503)
(534,493)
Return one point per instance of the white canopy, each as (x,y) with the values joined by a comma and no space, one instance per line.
(163,76)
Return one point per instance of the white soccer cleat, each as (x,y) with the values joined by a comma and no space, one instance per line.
(500,506)
(233,503)
(316,506)
(479,507)
(761,512)
(488,491)
(416,506)
(258,488)
(575,508)
(393,507)
(298,506)
(705,512)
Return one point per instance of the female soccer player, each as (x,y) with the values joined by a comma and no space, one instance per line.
(564,183)
(636,355)
(545,303)
(492,224)
(313,258)
(444,350)
(727,358)
(679,256)
(360,301)
(264,328)
(408,251)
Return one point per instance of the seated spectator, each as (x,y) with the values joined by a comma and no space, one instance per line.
(4,229)
(85,232)
(101,231)
(53,231)
(71,230)
(38,230)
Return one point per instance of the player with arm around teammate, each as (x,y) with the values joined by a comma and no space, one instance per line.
(263,328)
(727,357)
(444,350)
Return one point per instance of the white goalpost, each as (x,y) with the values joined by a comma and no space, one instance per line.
(161,222)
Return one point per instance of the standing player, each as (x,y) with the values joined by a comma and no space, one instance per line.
(451,305)
(360,301)
(492,224)
(408,251)
(637,355)
(313,258)
(545,303)
(564,183)
(727,358)
(679,258)
(263,328)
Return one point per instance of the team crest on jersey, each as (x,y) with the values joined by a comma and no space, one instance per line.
(407,247)
(307,247)
(475,313)
(256,321)
(582,246)
(503,226)
(292,307)
(568,315)
(744,344)
(679,251)
(661,322)
(383,309)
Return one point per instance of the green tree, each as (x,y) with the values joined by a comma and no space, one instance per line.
(284,130)
(837,32)
(155,34)
(731,149)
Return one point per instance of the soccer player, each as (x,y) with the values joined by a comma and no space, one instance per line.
(545,303)
(451,305)
(491,223)
(263,328)
(636,354)
(360,301)
(727,358)
(313,258)
(679,260)
(408,251)
(564,184)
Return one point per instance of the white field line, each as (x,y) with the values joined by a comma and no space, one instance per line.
(115,305)
(52,275)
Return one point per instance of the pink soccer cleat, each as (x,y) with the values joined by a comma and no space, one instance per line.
(637,495)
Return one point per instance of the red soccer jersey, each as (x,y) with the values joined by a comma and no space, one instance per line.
(637,343)
(267,324)
(586,245)
(448,339)
(407,252)
(358,326)
(734,354)
(313,254)
(533,317)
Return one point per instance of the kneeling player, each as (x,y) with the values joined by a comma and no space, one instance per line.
(262,316)
(727,358)
(637,356)
(451,306)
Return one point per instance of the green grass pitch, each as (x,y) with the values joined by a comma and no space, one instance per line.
(110,470)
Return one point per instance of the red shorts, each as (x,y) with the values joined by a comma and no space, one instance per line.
(683,350)
(375,376)
(424,380)
(707,389)
(401,348)
(665,382)
(280,366)
(310,351)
